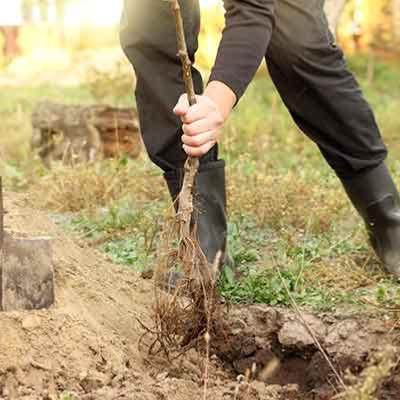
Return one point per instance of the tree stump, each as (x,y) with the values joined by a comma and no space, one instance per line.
(26,269)
(26,273)
(76,133)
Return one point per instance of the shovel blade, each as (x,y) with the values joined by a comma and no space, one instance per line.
(26,274)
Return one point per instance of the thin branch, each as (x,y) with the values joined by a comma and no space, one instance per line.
(186,207)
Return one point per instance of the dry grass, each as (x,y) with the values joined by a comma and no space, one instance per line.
(88,187)
(281,201)
(15,128)
(365,387)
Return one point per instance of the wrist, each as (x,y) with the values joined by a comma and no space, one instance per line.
(222,96)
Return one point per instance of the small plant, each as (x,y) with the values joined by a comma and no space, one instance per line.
(128,232)
(245,240)
(266,287)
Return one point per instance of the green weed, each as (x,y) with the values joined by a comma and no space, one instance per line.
(127,231)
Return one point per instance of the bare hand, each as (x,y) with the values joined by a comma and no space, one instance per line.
(202,124)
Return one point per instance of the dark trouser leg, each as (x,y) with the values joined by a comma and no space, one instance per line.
(326,102)
(149,41)
(323,97)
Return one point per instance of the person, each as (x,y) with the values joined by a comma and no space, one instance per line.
(10,24)
(309,70)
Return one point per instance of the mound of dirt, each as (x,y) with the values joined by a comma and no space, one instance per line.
(87,344)
(284,348)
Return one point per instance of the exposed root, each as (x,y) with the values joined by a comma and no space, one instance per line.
(185,313)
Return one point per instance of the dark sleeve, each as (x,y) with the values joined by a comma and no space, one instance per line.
(244,43)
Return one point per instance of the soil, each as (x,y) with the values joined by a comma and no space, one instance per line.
(87,343)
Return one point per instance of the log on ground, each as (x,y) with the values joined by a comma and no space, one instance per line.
(78,133)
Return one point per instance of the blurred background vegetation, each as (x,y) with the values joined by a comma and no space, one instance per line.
(287,208)
(51,31)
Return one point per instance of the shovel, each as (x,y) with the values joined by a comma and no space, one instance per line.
(26,269)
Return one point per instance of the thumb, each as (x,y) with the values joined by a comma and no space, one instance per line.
(182,107)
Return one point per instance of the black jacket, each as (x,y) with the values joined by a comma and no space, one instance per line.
(247,33)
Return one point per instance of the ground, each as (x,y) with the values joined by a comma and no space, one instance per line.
(292,232)
(86,346)
(88,343)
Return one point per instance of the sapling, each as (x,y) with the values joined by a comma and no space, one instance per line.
(185,313)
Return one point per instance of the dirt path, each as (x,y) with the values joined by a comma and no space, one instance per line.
(87,343)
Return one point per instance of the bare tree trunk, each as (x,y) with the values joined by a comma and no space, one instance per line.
(185,204)
(334,10)
(396,19)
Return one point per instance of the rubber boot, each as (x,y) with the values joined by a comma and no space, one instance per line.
(376,198)
(210,206)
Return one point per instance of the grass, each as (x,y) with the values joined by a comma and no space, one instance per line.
(288,212)
(126,231)
(69,396)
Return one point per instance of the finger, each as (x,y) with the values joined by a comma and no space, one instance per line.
(199,140)
(199,151)
(182,107)
(196,112)
(201,126)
